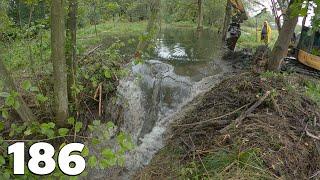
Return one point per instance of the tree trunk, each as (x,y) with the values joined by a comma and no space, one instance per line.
(19,13)
(59,61)
(72,46)
(30,15)
(200,15)
(31,59)
(226,21)
(23,110)
(152,27)
(275,14)
(95,17)
(280,49)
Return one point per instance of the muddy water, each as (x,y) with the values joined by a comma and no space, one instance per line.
(183,64)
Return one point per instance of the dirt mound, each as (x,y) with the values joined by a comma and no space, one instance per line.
(248,127)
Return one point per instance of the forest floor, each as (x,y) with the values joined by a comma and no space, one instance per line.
(250,126)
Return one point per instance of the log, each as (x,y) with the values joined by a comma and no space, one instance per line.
(251,109)
(247,113)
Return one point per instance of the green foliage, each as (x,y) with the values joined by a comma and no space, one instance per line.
(271,74)
(315,52)
(106,158)
(109,156)
(187,11)
(113,7)
(104,68)
(215,164)
(313,91)
(47,129)
(63,131)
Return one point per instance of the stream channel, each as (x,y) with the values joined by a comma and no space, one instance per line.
(183,64)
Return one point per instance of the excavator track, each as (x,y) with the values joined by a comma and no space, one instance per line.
(293,65)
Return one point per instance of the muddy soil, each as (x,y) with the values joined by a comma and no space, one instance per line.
(250,126)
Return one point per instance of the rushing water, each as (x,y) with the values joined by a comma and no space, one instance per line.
(183,64)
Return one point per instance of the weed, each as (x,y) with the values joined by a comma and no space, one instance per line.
(313,91)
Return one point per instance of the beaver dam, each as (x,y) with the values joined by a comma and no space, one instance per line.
(250,126)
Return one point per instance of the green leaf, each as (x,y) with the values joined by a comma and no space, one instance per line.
(124,142)
(51,125)
(71,121)
(108,154)
(104,164)
(5,114)
(110,159)
(85,152)
(2,161)
(41,98)
(10,101)
(108,74)
(92,162)
(63,131)
(47,129)
(110,125)
(1,126)
(91,128)
(95,141)
(78,126)
(16,105)
(26,85)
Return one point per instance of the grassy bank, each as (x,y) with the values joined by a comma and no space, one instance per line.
(34,53)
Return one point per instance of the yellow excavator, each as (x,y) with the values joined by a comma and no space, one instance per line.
(235,15)
(307,51)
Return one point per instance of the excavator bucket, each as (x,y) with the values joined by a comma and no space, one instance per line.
(238,6)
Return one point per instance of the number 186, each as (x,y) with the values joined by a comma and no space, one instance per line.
(42,162)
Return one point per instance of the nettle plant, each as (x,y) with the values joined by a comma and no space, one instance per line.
(104,148)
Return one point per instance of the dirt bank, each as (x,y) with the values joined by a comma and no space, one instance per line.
(250,126)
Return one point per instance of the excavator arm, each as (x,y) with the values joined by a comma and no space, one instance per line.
(239,7)
(236,14)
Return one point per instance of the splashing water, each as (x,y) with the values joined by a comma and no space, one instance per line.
(182,67)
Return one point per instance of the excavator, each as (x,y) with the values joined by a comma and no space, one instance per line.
(235,15)
(304,56)
(307,51)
